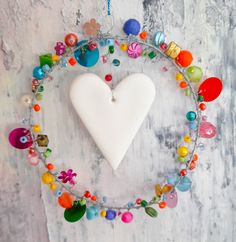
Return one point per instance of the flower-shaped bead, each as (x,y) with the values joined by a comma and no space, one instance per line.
(91,28)
(68,176)
(60,48)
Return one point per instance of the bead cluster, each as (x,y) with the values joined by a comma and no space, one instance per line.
(86,53)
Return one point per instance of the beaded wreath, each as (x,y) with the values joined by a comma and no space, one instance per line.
(86,53)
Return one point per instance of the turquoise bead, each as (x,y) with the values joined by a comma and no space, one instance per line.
(38,73)
(92,213)
(191,116)
(116,62)
(159,38)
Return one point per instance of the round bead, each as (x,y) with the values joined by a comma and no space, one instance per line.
(50,166)
(127,217)
(39,96)
(36,128)
(187,139)
(143,35)
(58,193)
(55,58)
(47,178)
(87,194)
(159,38)
(132,27)
(183,172)
(195,157)
(134,50)
(31,150)
(179,76)
(103,213)
(182,151)
(163,46)
(71,40)
(202,106)
(124,47)
(162,204)
(35,82)
(116,62)
(94,198)
(26,100)
(53,186)
(72,61)
(194,73)
(191,116)
(182,159)
(183,84)
(36,108)
(144,203)
(138,201)
(110,214)
(38,73)
(184,58)
(110,42)
(65,200)
(193,125)
(33,159)
(108,77)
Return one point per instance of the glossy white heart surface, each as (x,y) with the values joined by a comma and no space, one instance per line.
(112,117)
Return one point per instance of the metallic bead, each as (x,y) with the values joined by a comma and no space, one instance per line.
(172,50)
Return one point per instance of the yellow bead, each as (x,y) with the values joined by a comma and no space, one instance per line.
(182,151)
(36,128)
(53,186)
(47,178)
(55,58)
(124,47)
(103,213)
(179,76)
(187,139)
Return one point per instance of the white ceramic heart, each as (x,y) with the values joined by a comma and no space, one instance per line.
(112,123)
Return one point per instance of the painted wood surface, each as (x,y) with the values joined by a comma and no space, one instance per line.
(29,212)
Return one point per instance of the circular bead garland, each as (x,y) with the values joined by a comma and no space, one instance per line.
(86,53)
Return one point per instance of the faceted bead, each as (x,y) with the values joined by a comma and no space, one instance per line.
(144,203)
(42,140)
(111,49)
(36,128)
(108,77)
(183,172)
(152,54)
(46,59)
(72,61)
(47,153)
(143,35)
(46,68)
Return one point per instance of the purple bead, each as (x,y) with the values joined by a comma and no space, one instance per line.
(60,48)
(110,214)
(18,135)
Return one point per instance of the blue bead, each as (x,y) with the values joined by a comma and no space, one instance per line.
(192,125)
(170,180)
(130,204)
(38,73)
(116,62)
(46,68)
(159,38)
(58,193)
(92,213)
(87,58)
(132,26)
(110,214)
(23,140)
(191,116)
(102,42)
(110,42)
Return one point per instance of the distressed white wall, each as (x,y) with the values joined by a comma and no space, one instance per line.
(28,209)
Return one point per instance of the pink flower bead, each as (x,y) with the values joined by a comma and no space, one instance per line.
(134,50)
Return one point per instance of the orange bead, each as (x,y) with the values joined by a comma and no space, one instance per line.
(143,35)
(195,157)
(65,200)
(202,106)
(192,165)
(183,84)
(50,166)
(162,204)
(36,108)
(184,59)
(94,198)
(72,61)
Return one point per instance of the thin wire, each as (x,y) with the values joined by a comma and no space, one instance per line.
(127,39)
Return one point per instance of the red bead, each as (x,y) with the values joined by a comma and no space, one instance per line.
(183,172)
(36,108)
(202,106)
(192,165)
(93,46)
(108,77)
(184,59)
(94,198)
(31,151)
(138,201)
(195,157)
(50,166)
(71,40)
(163,46)
(87,194)
(72,61)
(162,204)
(183,84)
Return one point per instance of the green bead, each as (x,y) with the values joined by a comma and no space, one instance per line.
(40,88)
(155,199)
(46,60)
(200,98)
(82,202)
(187,92)
(194,73)
(182,159)
(47,153)
(67,49)
(111,49)
(151,212)
(152,54)
(75,213)
(144,203)
(39,96)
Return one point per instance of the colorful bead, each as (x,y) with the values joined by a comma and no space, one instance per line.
(162,204)
(183,172)
(38,73)
(47,153)
(191,116)
(138,201)
(144,203)
(36,107)
(108,77)
(182,151)
(46,59)
(163,46)
(124,47)
(40,88)
(103,213)
(127,217)
(71,39)
(172,50)
(116,62)
(55,58)
(111,49)
(33,158)
(110,42)
(159,38)
(134,50)
(202,106)
(47,178)
(53,186)
(110,214)
(152,54)
(72,61)
(46,68)
(183,84)
(104,59)
(42,140)
(195,157)
(200,98)
(50,166)
(92,212)
(187,139)
(184,58)
(82,201)
(92,46)
(132,27)
(143,35)
(39,96)
(26,100)
(94,198)
(194,73)
(87,194)
(182,159)
(60,48)
(36,128)
(65,200)
(179,76)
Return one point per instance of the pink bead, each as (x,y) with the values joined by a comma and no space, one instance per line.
(127,217)
(171,199)
(163,46)
(33,159)
(134,50)
(207,130)
(104,59)
(35,82)
(17,135)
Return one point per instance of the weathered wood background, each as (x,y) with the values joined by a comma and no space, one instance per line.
(29,212)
